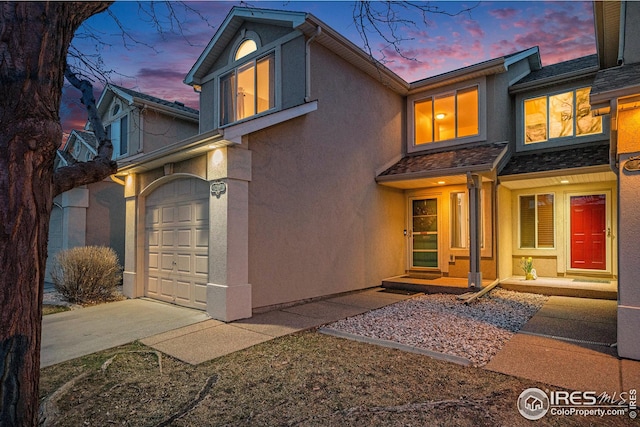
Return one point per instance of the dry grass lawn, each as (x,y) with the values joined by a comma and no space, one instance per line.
(305,379)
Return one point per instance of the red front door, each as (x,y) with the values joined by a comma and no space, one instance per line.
(588,232)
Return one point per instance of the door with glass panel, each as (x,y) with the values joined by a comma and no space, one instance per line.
(424,233)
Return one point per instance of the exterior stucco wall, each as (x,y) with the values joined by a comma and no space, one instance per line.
(160,130)
(318,222)
(106,217)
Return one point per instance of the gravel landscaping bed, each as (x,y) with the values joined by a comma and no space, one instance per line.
(442,323)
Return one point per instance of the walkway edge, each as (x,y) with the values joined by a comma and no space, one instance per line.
(391,344)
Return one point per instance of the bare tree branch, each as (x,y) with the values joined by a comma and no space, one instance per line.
(68,177)
(388,21)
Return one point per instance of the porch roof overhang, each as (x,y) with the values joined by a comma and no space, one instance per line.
(446,167)
(574,165)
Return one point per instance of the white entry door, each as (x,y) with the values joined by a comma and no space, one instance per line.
(177,243)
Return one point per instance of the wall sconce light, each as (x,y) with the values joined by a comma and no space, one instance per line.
(218,157)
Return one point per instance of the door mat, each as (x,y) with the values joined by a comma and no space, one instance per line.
(593,281)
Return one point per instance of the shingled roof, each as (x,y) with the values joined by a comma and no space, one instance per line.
(477,158)
(579,64)
(88,137)
(616,78)
(172,104)
(569,158)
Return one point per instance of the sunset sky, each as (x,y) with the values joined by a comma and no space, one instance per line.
(156,62)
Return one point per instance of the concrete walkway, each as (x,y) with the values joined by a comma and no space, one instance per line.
(211,339)
(568,344)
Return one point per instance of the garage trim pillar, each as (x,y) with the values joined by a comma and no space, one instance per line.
(228,289)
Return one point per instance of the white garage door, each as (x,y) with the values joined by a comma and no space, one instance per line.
(177,243)
(55,240)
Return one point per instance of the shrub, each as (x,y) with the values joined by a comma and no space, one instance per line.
(87,274)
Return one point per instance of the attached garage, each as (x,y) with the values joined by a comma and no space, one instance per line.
(177,243)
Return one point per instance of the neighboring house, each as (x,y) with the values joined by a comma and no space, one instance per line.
(94,214)
(317,171)
(616,94)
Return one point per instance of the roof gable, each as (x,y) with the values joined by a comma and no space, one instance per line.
(130,97)
(228,30)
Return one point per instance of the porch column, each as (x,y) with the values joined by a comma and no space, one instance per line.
(228,288)
(474,184)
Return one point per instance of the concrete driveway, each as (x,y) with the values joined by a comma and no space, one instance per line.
(75,333)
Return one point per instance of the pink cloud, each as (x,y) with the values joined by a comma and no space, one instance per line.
(506,13)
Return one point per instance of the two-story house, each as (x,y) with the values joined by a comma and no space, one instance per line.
(94,214)
(317,171)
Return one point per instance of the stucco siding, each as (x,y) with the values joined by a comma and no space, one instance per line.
(318,222)
(105,217)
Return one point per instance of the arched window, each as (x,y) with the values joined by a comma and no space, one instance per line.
(245,48)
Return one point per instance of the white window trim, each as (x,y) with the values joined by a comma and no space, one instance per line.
(480,83)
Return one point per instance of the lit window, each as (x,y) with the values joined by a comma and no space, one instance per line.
(537,226)
(245,48)
(448,116)
(558,116)
(247,90)
(459,220)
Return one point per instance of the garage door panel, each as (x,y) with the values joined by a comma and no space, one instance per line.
(185,213)
(184,263)
(153,216)
(167,262)
(177,228)
(202,237)
(200,293)
(201,211)
(184,238)
(168,238)
(168,215)
(153,260)
(152,285)
(183,290)
(202,264)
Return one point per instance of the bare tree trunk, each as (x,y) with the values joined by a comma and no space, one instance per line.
(34,39)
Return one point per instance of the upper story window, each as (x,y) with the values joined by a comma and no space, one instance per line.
(446,116)
(561,115)
(118,132)
(248,89)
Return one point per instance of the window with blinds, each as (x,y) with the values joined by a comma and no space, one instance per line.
(537,221)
